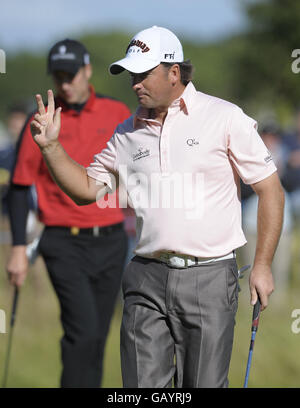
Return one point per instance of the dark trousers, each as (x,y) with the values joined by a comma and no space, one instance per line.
(86,273)
(178,323)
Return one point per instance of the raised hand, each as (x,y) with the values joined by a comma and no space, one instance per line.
(46,125)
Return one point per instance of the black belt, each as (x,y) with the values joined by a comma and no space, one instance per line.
(94,231)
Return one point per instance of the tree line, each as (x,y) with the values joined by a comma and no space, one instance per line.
(252,68)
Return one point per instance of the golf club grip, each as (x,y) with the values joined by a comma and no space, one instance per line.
(14,308)
(255,316)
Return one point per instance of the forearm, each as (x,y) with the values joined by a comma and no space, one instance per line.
(70,176)
(269,225)
(18,208)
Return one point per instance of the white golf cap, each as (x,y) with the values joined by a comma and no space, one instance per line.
(147,49)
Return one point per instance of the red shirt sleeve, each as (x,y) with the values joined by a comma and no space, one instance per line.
(28,159)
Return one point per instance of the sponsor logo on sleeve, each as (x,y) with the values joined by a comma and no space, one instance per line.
(268,158)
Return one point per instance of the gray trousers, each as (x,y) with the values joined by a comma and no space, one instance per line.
(178,324)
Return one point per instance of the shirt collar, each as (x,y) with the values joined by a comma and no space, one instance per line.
(144,115)
(184,102)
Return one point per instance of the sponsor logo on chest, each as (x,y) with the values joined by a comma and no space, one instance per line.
(192,142)
(142,153)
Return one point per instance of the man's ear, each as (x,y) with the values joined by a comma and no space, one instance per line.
(174,74)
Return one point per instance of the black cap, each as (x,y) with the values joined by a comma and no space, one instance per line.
(270,127)
(68,56)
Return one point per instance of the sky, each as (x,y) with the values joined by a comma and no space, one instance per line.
(36,24)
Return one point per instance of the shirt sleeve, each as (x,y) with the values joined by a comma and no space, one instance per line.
(125,113)
(18,208)
(103,168)
(248,153)
(28,158)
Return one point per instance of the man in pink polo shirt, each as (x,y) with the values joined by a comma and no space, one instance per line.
(178,162)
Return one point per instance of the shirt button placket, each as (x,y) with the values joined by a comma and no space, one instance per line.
(164,146)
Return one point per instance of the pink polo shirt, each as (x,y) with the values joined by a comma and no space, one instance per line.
(183,177)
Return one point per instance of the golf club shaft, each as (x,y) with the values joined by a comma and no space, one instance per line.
(255,321)
(12,322)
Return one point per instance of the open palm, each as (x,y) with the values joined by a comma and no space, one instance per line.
(46,124)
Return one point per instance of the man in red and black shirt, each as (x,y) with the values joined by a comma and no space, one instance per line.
(84,248)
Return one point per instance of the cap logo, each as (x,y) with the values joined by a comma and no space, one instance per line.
(68,56)
(139,44)
(62,49)
(170,56)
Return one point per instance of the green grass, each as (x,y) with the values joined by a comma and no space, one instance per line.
(35,357)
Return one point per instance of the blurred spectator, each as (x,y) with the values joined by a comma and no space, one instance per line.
(4,141)
(291,176)
(281,265)
(16,116)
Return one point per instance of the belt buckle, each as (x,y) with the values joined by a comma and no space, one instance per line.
(74,230)
(178,262)
(96,231)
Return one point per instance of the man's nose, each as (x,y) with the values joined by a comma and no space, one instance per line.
(136,85)
(65,85)
(136,80)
